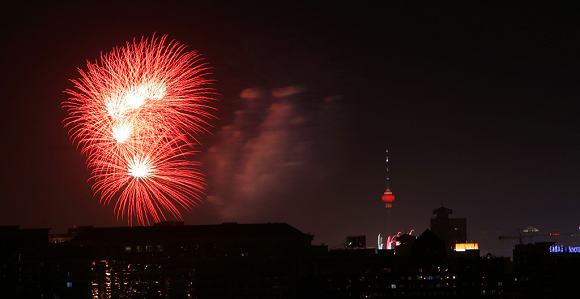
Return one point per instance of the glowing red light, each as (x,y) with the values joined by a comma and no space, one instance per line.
(136,114)
(388,196)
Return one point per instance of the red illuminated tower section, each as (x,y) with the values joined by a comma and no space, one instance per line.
(388,196)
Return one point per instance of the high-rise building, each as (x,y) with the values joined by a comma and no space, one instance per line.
(450,230)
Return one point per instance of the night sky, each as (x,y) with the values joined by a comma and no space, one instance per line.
(477,104)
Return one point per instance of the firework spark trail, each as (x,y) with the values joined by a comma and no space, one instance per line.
(136,114)
(151,183)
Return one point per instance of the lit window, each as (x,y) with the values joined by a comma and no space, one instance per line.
(127,248)
(69,284)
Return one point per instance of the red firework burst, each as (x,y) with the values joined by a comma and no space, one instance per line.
(135,114)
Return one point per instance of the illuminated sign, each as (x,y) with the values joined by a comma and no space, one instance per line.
(460,247)
(564,249)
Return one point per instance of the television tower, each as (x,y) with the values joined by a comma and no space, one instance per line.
(388,197)
(386,241)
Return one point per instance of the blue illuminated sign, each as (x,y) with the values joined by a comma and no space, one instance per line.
(564,249)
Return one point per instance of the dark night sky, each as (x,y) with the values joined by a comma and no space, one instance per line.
(478,105)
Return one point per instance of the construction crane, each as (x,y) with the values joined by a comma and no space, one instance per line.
(520,237)
(531,233)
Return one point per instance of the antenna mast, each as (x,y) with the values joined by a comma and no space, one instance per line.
(388,197)
(387,169)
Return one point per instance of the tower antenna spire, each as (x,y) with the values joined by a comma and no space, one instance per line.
(388,197)
(387,169)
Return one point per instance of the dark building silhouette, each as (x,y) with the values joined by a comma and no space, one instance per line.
(23,263)
(173,260)
(546,269)
(428,246)
(417,268)
(407,241)
(355,242)
(272,260)
(450,230)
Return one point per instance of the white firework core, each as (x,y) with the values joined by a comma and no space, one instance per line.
(140,168)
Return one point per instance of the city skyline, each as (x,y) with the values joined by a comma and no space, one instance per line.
(477,106)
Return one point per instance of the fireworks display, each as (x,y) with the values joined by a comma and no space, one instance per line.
(136,114)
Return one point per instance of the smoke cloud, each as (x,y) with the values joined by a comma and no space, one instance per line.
(262,154)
